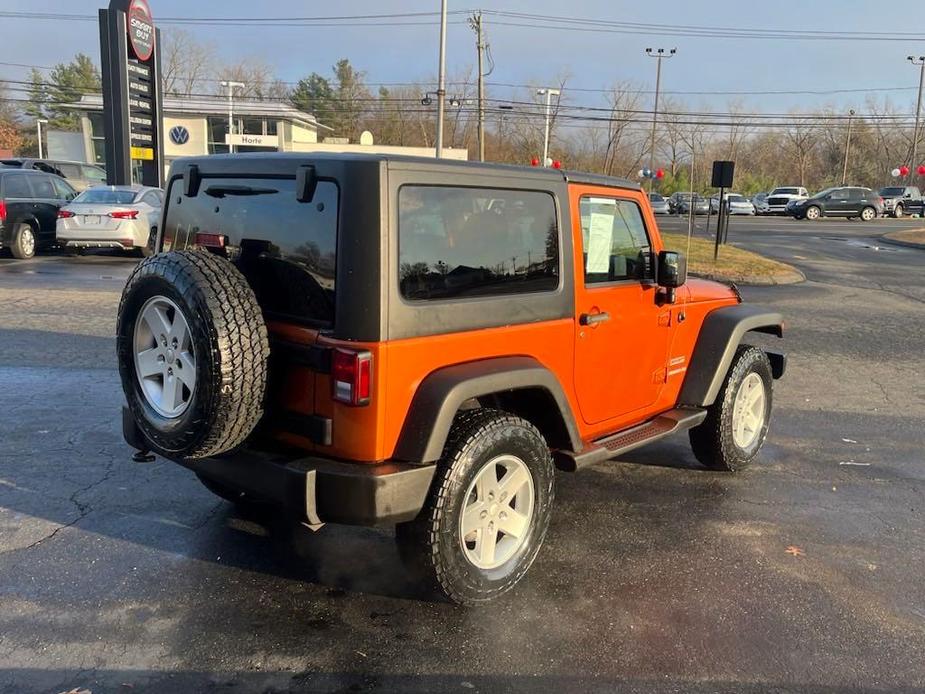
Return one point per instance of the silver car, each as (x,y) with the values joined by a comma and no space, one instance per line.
(110,217)
(659,204)
(738,204)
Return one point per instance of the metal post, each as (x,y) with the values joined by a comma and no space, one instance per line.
(231,86)
(844,173)
(719,225)
(658,54)
(38,127)
(920,61)
(690,217)
(441,80)
(549,94)
(475,22)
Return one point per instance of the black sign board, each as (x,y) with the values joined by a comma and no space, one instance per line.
(130,52)
(722,173)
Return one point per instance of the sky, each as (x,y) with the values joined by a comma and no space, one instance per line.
(590,59)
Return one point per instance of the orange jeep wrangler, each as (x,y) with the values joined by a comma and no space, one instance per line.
(421,343)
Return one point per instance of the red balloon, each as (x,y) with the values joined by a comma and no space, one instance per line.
(557,164)
(534,162)
(903,170)
(921,170)
(660,173)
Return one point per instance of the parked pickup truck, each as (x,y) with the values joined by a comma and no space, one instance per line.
(900,200)
(779,198)
(376,340)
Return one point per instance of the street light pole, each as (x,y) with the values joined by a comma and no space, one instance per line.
(920,61)
(475,22)
(231,86)
(549,93)
(844,173)
(38,127)
(658,54)
(441,80)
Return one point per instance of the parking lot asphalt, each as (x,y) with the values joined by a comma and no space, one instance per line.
(802,574)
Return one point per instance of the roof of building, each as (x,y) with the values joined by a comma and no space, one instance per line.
(215,106)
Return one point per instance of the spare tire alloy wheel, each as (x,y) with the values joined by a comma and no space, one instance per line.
(164,359)
(193,354)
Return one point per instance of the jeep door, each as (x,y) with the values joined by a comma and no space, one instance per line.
(622,333)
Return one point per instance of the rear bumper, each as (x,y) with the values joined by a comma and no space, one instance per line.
(315,490)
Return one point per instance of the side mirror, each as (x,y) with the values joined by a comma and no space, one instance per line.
(671,272)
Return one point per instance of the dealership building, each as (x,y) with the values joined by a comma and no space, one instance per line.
(198,126)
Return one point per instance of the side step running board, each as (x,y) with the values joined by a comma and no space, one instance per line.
(618,444)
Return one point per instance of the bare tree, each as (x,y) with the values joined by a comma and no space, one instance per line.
(801,141)
(188,65)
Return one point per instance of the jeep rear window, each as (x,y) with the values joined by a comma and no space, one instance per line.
(465,242)
(285,248)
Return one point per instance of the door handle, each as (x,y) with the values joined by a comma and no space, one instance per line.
(593,318)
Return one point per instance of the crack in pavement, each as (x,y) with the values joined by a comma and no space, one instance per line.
(83,509)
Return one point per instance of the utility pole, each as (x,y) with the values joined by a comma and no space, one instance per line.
(38,127)
(844,173)
(658,54)
(549,93)
(441,80)
(920,61)
(231,86)
(475,23)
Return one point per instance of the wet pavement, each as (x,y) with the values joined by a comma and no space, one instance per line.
(802,574)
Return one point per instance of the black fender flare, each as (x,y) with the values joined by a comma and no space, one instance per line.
(720,337)
(440,395)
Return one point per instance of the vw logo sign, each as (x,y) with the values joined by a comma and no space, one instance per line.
(179,135)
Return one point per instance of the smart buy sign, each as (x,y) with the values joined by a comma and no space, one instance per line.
(141,29)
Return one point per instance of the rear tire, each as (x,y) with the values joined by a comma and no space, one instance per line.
(191,326)
(868,213)
(737,423)
(24,242)
(488,508)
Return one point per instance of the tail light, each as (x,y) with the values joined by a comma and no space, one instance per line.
(351,376)
(124,214)
(2,210)
(210,240)
(65,214)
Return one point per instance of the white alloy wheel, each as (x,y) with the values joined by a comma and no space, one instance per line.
(812,213)
(497,512)
(748,411)
(868,214)
(164,359)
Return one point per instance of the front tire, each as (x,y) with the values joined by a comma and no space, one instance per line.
(898,212)
(24,242)
(737,423)
(813,213)
(488,509)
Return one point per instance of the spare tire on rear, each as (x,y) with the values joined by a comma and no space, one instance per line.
(193,351)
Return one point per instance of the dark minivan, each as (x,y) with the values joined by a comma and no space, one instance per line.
(29,204)
(838,202)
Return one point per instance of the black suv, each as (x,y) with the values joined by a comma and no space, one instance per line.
(838,202)
(29,204)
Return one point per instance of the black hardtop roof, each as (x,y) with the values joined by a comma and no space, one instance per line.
(447,165)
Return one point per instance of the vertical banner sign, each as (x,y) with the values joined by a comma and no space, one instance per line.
(129,48)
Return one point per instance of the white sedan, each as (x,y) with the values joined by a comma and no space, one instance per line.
(110,217)
(738,204)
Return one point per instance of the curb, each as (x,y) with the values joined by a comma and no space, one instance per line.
(794,277)
(886,238)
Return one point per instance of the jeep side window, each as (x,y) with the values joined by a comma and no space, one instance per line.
(615,243)
(463,242)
